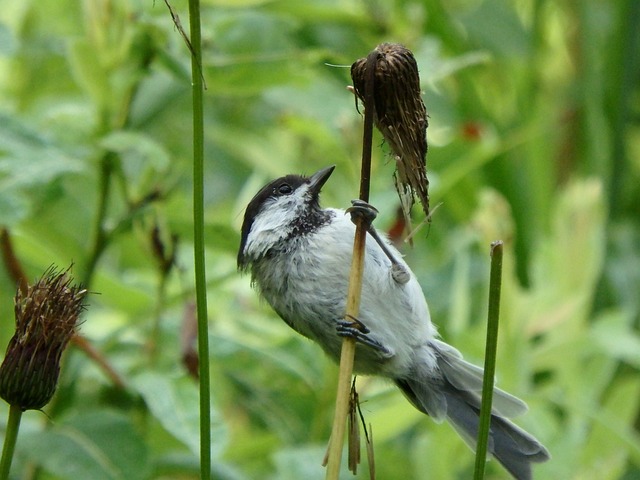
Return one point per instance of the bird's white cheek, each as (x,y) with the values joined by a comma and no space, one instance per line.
(269,228)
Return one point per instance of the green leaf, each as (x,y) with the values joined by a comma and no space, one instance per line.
(429,52)
(497,27)
(143,148)
(13,207)
(255,50)
(28,158)
(89,72)
(612,440)
(143,159)
(7,40)
(100,445)
(615,337)
(304,462)
(174,403)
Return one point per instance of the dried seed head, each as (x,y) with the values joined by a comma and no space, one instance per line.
(401,117)
(46,318)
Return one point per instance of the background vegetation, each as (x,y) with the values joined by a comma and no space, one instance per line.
(534,139)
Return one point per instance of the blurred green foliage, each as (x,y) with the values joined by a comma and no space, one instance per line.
(534,139)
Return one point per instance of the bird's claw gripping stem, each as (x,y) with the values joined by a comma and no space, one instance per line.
(367,213)
(353,328)
(363,210)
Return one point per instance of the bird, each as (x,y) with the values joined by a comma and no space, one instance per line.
(299,257)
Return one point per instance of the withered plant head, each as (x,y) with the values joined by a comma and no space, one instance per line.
(47,316)
(401,117)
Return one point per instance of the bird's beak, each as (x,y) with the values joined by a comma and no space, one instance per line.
(318,179)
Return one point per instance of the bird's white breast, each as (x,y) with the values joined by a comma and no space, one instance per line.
(307,285)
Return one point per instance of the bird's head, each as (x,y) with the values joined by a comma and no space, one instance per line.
(284,208)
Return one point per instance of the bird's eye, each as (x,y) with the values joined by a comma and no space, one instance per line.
(285,189)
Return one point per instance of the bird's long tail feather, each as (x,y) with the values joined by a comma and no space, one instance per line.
(455,395)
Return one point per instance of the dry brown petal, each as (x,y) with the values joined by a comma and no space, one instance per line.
(401,117)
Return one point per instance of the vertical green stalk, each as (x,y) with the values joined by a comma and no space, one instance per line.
(198,243)
(495,285)
(100,234)
(154,340)
(622,81)
(11,435)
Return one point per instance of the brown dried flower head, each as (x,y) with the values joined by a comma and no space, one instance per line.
(47,316)
(401,117)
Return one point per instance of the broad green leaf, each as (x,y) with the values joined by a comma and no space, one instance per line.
(440,454)
(303,462)
(13,207)
(439,65)
(497,27)
(174,403)
(99,444)
(254,50)
(612,441)
(7,40)
(142,148)
(88,71)
(615,337)
(28,158)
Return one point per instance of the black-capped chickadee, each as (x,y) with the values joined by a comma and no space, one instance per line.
(299,256)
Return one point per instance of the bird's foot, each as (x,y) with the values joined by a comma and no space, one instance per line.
(361,210)
(367,213)
(353,328)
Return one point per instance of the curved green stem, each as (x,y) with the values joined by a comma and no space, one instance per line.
(11,435)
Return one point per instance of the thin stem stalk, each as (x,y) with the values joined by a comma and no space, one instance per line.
(198,229)
(100,234)
(495,286)
(11,435)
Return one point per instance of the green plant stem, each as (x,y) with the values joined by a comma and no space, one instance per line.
(347,354)
(198,243)
(100,234)
(625,60)
(495,285)
(154,339)
(10,437)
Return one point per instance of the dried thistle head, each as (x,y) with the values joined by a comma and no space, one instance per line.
(401,117)
(47,316)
